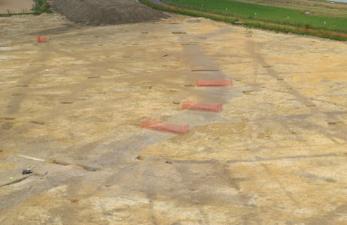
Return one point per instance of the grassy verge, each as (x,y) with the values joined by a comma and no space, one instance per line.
(298,24)
(41,6)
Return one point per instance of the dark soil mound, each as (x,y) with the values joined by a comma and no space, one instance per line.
(104,12)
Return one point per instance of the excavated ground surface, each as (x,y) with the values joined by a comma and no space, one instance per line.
(104,12)
(70,109)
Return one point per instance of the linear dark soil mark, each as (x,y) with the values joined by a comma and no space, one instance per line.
(281,185)
(329,133)
(16,181)
(34,71)
(260,160)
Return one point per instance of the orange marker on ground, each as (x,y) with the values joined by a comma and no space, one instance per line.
(214,107)
(41,39)
(165,127)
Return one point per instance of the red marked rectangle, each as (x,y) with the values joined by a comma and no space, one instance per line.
(213,83)
(166,127)
(202,106)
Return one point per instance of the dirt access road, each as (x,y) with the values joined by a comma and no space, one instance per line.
(70,110)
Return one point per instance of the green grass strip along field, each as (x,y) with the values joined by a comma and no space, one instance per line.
(260,16)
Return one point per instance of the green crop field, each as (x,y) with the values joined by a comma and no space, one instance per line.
(265,13)
(313,17)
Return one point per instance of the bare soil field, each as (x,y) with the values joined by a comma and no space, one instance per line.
(71,109)
(15,6)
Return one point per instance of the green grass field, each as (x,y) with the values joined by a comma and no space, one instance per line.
(325,20)
(265,13)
